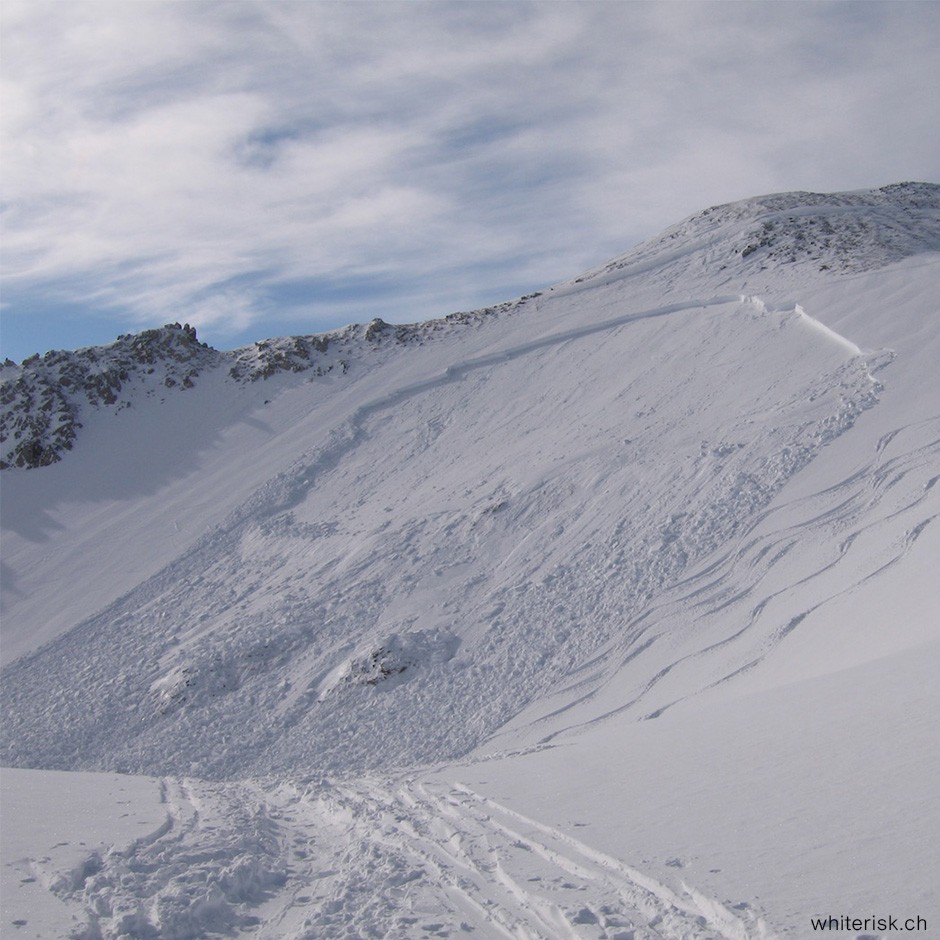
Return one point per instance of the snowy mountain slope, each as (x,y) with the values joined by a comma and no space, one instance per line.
(201,443)
(799,801)
(699,476)
(45,397)
(318,571)
(192,429)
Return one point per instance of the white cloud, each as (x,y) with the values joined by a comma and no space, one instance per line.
(191,159)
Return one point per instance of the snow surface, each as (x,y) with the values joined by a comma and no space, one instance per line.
(610,613)
(58,829)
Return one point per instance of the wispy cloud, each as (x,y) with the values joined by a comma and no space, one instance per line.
(244,165)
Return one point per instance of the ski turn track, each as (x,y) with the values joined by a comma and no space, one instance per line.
(372,859)
(438,860)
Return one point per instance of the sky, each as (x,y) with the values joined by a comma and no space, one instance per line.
(262,168)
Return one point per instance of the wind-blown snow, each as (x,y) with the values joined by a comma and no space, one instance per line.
(637,530)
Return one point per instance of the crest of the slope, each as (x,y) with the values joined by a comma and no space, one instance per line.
(44,398)
(838,233)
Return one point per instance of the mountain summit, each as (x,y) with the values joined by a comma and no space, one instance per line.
(664,521)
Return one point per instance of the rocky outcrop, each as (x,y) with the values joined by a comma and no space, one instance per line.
(43,397)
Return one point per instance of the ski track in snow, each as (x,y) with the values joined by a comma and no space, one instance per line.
(370,858)
(889,502)
(217,857)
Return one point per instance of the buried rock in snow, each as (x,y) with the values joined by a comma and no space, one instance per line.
(389,660)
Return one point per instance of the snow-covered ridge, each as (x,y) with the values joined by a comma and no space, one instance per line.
(44,398)
(838,233)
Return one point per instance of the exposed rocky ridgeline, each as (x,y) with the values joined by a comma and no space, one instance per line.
(325,352)
(43,398)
